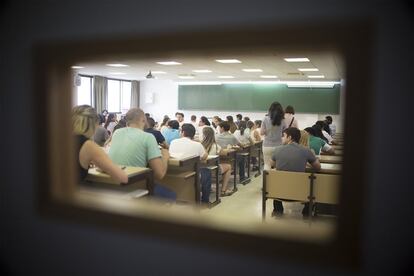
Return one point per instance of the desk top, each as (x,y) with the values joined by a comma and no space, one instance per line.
(181,162)
(327,168)
(333,159)
(95,175)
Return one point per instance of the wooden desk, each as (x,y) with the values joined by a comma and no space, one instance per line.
(256,151)
(338,152)
(212,163)
(182,177)
(230,156)
(136,176)
(332,159)
(245,152)
(327,168)
(338,147)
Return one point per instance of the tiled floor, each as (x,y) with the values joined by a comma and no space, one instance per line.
(245,208)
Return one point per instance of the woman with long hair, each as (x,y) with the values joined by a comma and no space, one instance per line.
(84,122)
(272,127)
(212,148)
(110,123)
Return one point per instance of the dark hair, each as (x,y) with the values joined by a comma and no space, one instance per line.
(105,110)
(173,124)
(239,117)
(311,131)
(289,109)
(165,120)
(110,118)
(258,123)
(147,115)
(246,119)
(293,132)
(249,124)
(179,113)
(101,119)
(193,117)
(120,124)
(150,122)
(205,120)
(276,113)
(324,126)
(229,119)
(188,130)
(329,119)
(242,127)
(225,125)
(318,130)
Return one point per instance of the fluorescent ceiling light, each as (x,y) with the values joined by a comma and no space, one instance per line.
(117,73)
(268,77)
(297,59)
(320,84)
(252,70)
(316,76)
(77,67)
(225,77)
(185,77)
(308,69)
(158,72)
(202,71)
(169,63)
(117,65)
(228,60)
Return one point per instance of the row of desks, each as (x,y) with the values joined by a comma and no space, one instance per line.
(182,175)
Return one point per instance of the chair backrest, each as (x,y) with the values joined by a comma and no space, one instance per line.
(326,188)
(286,185)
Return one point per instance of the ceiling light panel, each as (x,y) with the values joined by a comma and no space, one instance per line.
(308,69)
(316,76)
(303,59)
(202,71)
(228,60)
(169,63)
(252,70)
(117,65)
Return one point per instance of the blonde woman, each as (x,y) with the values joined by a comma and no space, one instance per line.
(84,123)
(212,148)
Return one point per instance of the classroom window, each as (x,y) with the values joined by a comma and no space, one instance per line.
(84,92)
(119,96)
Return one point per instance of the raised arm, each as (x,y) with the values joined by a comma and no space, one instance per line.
(92,153)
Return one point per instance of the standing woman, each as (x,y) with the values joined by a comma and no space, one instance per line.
(272,126)
(84,122)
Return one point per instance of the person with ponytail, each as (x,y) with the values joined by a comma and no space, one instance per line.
(272,127)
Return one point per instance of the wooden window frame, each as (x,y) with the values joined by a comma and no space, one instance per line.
(353,40)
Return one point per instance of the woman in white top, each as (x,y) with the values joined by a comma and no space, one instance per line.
(290,118)
(272,126)
(242,135)
(212,148)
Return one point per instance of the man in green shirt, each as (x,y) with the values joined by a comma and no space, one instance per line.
(131,146)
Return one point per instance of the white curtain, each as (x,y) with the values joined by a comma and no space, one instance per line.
(100,90)
(135,93)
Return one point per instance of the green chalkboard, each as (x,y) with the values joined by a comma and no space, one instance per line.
(258,97)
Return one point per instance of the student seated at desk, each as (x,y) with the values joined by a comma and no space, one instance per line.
(84,122)
(172,132)
(101,134)
(317,144)
(186,147)
(131,146)
(290,156)
(320,127)
(227,140)
(157,134)
(212,148)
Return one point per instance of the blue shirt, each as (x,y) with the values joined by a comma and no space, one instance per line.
(171,134)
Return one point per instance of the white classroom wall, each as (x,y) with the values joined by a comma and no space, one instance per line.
(160,97)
